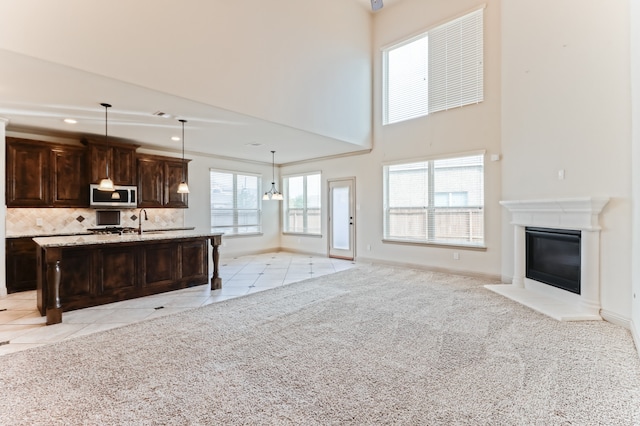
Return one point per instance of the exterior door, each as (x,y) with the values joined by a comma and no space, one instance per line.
(342,228)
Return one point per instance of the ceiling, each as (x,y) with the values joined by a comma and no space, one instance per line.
(36,96)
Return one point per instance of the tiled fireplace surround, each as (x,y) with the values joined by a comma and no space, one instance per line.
(581,214)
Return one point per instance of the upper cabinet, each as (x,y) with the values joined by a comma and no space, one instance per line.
(27,180)
(69,177)
(158,180)
(120,157)
(41,174)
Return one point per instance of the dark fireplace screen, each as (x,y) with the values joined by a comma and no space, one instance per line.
(553,257)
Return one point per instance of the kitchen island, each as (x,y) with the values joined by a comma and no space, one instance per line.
(88,270)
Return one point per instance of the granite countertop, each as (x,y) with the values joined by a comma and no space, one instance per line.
(40,235)
(93,239)
(67,234)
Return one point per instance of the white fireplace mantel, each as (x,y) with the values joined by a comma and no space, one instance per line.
(568,213)
(581,214)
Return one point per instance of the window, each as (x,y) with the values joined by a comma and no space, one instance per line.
(302,204)
(438,201)
(235,203)
(435,71)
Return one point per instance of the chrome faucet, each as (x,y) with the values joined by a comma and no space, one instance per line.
(140,220)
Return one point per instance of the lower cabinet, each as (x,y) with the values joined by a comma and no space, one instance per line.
(21,264)
(97,275)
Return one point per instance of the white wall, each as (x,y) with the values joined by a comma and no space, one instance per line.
(247,56)
(475,127)
(566,106)
(635,161)
(199,212)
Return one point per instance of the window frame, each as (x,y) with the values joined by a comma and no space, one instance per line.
(431,209)
(285,205)
(430,101)
(236,210)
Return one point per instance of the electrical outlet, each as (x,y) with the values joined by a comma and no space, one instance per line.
(456,255)
(39,221)
(157,219)
(369,247)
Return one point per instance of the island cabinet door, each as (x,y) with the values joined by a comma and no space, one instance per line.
(159,267)
(78,282)
(194,265)
(117,273)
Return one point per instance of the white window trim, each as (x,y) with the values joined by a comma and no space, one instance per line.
(409,39)
(285,191)
(259,209)
(479,246)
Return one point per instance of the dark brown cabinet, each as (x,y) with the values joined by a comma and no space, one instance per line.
(158,180)
(173,169)
(22,264)
(96,274)
(69,177)
(120,157)
(41,174)
(27,181)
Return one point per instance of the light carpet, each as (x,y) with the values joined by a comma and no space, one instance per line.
(371,345)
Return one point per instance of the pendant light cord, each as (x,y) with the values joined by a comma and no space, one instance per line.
(183,121)
(106,132)
(273,168)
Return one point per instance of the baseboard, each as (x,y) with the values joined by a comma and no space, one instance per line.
(635,333)
(310,253)
(225,253)
(616,319)
(472,274)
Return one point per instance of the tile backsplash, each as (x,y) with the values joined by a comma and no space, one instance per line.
(43,221)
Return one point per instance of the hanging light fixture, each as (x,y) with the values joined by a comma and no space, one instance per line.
(106,184)
(273,193)
(183,188)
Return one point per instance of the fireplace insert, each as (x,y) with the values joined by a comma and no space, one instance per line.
(553,257)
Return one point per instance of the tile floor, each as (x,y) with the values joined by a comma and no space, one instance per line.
(22,327)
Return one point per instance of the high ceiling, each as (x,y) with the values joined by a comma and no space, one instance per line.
(36,96)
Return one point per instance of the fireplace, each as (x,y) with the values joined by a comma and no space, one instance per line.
(553,257)
(563,236)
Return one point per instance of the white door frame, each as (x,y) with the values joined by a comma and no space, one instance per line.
(347,254)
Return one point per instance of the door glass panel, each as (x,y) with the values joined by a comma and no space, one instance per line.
(340,213)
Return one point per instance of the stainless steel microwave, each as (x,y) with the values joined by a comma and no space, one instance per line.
(123,197)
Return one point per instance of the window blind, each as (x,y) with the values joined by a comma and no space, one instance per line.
(456,63)
(435,71)
(407,81)
(435,201)
(302,203)
(235,203)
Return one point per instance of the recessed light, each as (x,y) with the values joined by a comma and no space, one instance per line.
(161,114)
(175,138)
(70,121)
(254,144)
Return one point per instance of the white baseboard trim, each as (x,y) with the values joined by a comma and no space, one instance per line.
(635,333)
(615,319)
(490,277)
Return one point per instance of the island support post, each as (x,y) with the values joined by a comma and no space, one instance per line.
(216,281)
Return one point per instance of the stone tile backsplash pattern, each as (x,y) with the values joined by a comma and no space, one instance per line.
(26,221)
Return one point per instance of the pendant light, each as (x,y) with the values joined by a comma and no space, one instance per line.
(273,193)
(183,188)
(106,184)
